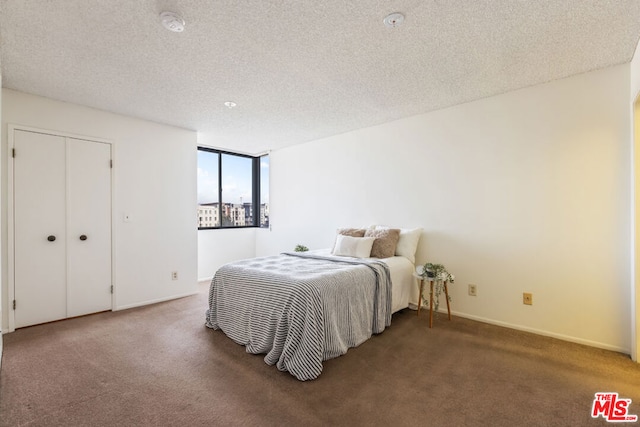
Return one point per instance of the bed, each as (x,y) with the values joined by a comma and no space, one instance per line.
(300,309)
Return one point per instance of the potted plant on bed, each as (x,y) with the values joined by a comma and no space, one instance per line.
(439,273)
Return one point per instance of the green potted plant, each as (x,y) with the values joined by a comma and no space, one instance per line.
(439,274)
(300,248)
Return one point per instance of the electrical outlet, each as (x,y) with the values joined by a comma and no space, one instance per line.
(473,290)
(527,298)
(174,275)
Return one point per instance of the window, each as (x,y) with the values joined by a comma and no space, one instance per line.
(264,191)
(233,190)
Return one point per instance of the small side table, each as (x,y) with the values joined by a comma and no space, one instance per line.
(446,293)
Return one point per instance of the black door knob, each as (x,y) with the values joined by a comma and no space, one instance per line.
(51,238)
(83,237)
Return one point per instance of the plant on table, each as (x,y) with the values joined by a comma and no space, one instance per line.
(300,248)
(440,275)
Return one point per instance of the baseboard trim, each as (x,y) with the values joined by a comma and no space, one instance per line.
(542,332)
(154,301)
(531,330)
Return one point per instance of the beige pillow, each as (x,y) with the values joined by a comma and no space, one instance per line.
(353,232)
(408,242)
(386,241)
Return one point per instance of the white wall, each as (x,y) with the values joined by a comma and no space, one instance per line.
(635,73)
(218,247)
(155,183)
(635,300)
(635,262)
(522,192)
(2,249)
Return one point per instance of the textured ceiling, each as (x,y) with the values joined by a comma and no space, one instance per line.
(301,70)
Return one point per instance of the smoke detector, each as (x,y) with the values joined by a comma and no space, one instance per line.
(172,21)
(394,20)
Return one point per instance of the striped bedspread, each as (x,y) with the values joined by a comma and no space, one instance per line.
(300,308)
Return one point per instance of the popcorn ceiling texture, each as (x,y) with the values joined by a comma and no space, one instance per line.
(301,70)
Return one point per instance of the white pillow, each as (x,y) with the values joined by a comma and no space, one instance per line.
(408,242)
(358,247)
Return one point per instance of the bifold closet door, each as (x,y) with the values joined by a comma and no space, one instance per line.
(40,261)
(88,227)
(62,227)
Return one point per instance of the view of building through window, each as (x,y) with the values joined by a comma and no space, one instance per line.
(229,187)
(264,191)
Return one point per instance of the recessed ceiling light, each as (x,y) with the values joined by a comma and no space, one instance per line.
(172,21)
(230,104)
(393,20)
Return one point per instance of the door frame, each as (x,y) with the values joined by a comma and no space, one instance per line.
(11,129)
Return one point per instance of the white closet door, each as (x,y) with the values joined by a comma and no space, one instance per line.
(88,227)
(39,216)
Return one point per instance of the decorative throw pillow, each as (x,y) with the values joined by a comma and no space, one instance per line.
(407,243)
(358,247)
(386,241)
(353,232)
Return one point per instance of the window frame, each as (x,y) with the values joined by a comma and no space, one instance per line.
(255,190)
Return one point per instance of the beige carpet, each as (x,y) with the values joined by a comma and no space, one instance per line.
(159,365)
